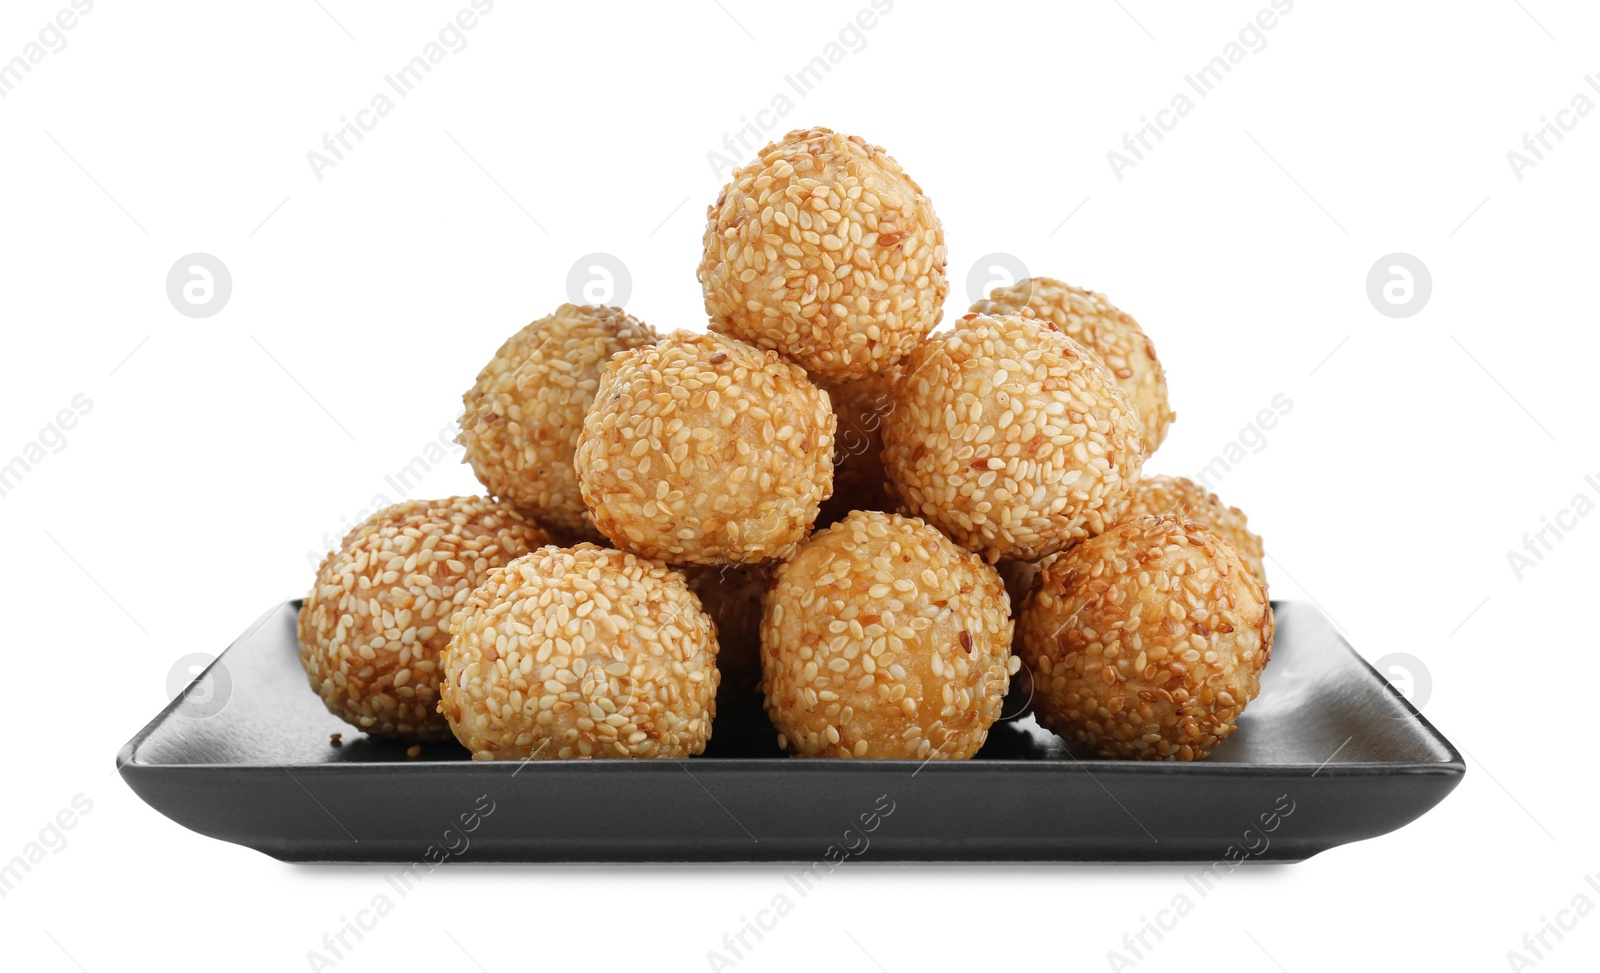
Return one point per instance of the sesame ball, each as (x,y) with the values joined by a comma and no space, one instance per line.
(824,250)
(1090,319)
(1181,497)
(859,482)
(882,639)
(1012,438)
(581,652)
(731,595)
(378,616)
(1146,641)
(705,450)
(524,413)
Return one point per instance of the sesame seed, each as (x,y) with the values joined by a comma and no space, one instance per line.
(1112,631)
(635,676)
(1181,497)
(828,662)
(1090,319)
(370,671)
(523,414)
(1041,481)
(823,250)
(742,494)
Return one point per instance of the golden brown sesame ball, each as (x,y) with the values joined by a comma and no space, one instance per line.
(376,619)
(525,412)
(1180,496)
(1012,438)
(705,450)
(1146,641)
(859,482)
(581,652)
(1090,319)
(826,251)
(731,595)
(882,639)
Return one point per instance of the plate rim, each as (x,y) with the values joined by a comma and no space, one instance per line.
(1453,765)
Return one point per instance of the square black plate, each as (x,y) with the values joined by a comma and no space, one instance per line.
(1329,753)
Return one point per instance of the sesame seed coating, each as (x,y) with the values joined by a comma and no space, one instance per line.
(1012,438)
(524,413)
(824,250)
(581,653)
(1090,319)
(705,450)
(859,481)
(882,639)
(731,595)
(1147,641)
(375,621)
(1181,497)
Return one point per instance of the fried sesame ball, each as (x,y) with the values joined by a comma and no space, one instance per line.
(1147,641)
(581,652)
(1180,496)
(705,450)
(1090,319)
(859,482)
(524,413)
(882,639)
(731,595)
(1012,438)
(378,616)
(824,250)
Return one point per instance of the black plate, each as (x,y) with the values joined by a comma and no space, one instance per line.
(1329,753)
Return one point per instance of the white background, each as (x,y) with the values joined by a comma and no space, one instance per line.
(219,451)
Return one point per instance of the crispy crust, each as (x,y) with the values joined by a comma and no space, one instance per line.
(1011,438)
(1180,496)
(705,450)
(825,251)
(882,639)
(375,621)
(1093,321)
(581,652)
(1148,641)
(523,415)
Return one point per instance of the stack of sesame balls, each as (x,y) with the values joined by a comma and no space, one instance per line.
(817,506)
